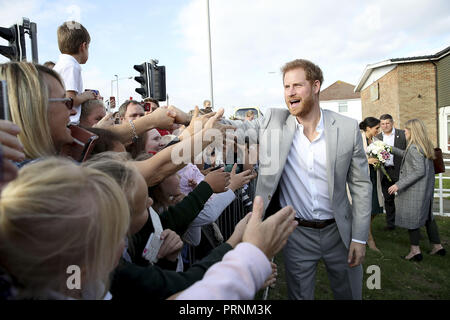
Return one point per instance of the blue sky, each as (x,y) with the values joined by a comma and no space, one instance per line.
(251,40)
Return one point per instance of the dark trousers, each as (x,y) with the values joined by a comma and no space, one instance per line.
(432,232)
(389,203)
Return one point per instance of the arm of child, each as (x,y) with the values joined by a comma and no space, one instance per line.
(80,98)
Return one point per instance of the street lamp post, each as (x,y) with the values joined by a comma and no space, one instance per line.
(117,79)
(210,57)
(117,86)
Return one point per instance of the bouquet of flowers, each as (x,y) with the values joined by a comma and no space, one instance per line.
(381,151)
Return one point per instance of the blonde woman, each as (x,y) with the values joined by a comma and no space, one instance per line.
(56,215)
(38,105)
(415,189)
(39,108)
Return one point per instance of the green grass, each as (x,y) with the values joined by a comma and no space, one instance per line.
(400,279)
(445,183)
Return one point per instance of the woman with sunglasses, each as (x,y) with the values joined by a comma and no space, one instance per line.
(39,107)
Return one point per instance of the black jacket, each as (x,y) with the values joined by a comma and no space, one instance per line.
(139,280)
(399,142)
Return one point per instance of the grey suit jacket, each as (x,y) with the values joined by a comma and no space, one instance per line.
(346,164)
(415,189)
(400,143)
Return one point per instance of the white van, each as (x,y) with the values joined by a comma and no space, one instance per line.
(239,112)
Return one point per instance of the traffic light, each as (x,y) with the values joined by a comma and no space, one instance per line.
(143,79)
(157,81)
(15,35)
(16,49)
(152,79)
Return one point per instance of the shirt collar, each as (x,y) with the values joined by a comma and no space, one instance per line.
(392,133)
(65,56)
(320,126)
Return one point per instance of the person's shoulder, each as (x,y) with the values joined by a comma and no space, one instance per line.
(66,61)
(415,150)
(281,111)
(276,113)
(339,118)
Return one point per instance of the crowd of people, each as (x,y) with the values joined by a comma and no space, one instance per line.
(406,191)
(149,179)
(97,215)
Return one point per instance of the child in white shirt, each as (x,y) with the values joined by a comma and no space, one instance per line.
(73,42)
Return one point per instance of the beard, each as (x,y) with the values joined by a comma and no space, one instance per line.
(305,107)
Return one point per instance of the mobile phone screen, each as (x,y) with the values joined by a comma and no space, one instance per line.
(4,106)
(82,145)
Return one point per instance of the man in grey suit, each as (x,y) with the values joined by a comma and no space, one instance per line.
(307,157)
(396,138)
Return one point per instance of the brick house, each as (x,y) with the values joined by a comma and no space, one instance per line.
(341,97)
(413,87)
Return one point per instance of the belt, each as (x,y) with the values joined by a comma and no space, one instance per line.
(315,224)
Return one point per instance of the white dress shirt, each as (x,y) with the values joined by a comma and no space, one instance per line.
(389,140)
(304,182)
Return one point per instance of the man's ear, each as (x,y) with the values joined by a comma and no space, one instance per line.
(316,86)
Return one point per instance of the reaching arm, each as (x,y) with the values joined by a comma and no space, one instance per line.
(171,159)
(161,118)
(398,152)
(133,282)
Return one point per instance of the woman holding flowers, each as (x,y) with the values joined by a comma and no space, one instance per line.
(369,129)
(415,189)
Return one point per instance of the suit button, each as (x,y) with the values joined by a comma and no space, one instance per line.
(269,197)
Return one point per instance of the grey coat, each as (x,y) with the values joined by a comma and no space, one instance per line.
(346,165)
(414,198)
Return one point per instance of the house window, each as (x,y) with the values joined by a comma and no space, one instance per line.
(343,107)
(374,94)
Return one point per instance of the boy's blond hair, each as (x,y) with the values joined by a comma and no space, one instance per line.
(71,36)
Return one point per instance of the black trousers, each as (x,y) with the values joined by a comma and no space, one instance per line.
(389,203)
(432,232)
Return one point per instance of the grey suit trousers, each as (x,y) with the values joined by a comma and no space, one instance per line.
(304,248)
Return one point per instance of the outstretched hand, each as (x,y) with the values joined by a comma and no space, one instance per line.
(238,180)
(163,118)
(218,180)
(271,234)
(197,122)
(11,150)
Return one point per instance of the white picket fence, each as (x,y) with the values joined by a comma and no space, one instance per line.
(442,193)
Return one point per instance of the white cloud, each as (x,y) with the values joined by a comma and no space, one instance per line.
(251,39)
